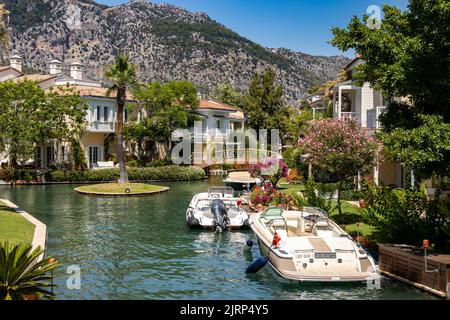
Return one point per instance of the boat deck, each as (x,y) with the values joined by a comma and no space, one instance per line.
(319,245)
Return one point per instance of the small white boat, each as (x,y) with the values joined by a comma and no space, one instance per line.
(307,246)
(216,209)
(241,180)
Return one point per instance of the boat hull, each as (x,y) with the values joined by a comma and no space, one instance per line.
(281,265)
(239,185)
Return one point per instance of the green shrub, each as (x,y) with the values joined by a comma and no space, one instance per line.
(168,173)
(159,163)
(58,176)
(351,195)
(317,198)
(407,217)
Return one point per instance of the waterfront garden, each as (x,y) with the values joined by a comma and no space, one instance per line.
(329,165)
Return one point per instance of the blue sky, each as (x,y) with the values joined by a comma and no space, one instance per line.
(301,25)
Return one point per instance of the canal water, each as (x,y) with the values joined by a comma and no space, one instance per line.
(141,248)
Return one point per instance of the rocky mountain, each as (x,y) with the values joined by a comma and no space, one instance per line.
(165,41)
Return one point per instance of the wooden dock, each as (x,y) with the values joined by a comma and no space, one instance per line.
(403,264)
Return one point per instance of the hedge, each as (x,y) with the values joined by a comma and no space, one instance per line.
(168,173)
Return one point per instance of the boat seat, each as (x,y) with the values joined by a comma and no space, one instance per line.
(279,226)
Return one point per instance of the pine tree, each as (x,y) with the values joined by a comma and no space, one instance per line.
(263,102)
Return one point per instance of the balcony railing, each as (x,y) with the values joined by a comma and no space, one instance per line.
(104,127)
(205,135)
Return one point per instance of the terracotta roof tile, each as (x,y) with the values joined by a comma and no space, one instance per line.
(86,91)
(34,77)
(216,105)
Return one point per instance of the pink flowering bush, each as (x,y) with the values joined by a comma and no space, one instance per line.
(262,197)
(341,147)
(272,169)
(269,196)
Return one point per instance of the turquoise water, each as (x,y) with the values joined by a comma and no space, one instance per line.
(140,248)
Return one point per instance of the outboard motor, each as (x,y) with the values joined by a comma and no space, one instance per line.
(220,214)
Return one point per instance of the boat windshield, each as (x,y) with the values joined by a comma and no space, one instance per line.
(223,191)
(272,213)
(311,211)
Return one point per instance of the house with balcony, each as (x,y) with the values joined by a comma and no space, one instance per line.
(365,105)
(216,122)
(100,117)
(217,118)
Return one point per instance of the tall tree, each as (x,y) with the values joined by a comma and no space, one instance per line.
(123,75)
(226,93)
(63,118)
(406,56)
(263,102)
(167,107)
(29,116)
(342,148)
(19,119)
(425,149)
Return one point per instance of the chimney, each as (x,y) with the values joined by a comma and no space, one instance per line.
(76,70)
(16,62)
(55,67)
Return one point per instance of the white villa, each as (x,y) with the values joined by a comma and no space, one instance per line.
(102,113)
(365,105)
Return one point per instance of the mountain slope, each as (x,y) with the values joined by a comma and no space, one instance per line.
(165,41)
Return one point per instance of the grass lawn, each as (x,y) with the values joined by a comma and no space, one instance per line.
(120,189)
(351,216)
(13,227)
(290,188)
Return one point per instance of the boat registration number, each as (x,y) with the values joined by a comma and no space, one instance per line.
(325,255)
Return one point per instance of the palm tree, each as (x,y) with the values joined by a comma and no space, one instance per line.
(21,275)
(123,74)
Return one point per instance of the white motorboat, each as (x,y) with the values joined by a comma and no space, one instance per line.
(308,246)
(241,180)
(216,209)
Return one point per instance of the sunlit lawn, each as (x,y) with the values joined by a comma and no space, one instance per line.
(13,227)
(116,188)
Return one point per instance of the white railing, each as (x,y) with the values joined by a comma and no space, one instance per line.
(205,135)
(100,126)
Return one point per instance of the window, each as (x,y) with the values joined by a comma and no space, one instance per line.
(125,115)
(218,124)
(99,113)
(93,156)
(105,114)
(50,155)
(38,156)
(64,154)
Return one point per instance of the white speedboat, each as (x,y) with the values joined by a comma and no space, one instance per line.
(216,209)
(307,246)
(241,180)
